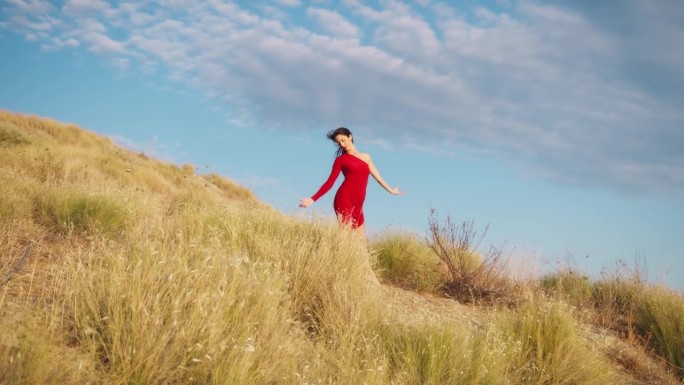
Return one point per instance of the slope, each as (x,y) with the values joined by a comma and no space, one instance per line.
(119,268)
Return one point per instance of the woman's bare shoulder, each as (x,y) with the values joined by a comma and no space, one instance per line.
(365,156)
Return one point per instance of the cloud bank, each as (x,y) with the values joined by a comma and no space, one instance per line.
(576,93)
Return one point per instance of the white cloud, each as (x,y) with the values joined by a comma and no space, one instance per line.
(40,26)
(34,7)
(289,3)
(78,8)
(333,23)
(485,14)
(401,31)
(563,92)
(102,44)
(57,43)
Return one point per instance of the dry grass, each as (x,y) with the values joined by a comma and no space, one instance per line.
(660,316)
(144,272)
(548,347)
(622,301)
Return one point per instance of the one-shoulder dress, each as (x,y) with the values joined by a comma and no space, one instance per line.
(348,203)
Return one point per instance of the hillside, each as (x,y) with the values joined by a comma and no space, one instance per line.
(119,268)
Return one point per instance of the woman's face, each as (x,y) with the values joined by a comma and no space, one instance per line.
(345,142)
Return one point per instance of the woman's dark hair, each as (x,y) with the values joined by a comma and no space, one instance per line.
(339,131)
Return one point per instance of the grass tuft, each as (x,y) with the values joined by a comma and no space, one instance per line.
(405,260)
(448,354)
(10,137)
(81,212)
(660,314)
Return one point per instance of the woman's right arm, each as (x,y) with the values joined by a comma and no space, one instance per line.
(327,185)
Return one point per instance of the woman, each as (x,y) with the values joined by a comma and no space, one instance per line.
(356,166)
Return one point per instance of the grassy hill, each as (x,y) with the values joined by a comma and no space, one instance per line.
(118,268)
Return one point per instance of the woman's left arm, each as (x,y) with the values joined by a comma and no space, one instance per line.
(376,174)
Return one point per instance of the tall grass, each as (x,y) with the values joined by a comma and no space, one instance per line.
(660,314)
(34,352)
(446,354)
(622,301)
(549,349)
(178,314)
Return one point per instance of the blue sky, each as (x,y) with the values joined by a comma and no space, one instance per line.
(558,124)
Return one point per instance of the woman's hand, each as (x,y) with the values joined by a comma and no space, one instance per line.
(305,202)
(395,191)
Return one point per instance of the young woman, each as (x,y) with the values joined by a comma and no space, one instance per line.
(356,167)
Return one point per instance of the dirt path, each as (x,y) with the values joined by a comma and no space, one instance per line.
(420,308)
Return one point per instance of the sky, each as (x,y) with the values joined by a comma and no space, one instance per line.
(557,126)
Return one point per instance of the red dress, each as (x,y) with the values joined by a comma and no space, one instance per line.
(349,199)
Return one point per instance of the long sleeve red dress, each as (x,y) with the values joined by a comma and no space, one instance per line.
(348,203)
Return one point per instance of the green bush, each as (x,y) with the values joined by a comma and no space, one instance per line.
(80,212)
(570,286)
(406,261)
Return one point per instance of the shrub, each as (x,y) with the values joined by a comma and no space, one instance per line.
(406,261)
(570,286)
(470,276)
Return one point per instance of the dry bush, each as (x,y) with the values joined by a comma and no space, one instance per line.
(471,277)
